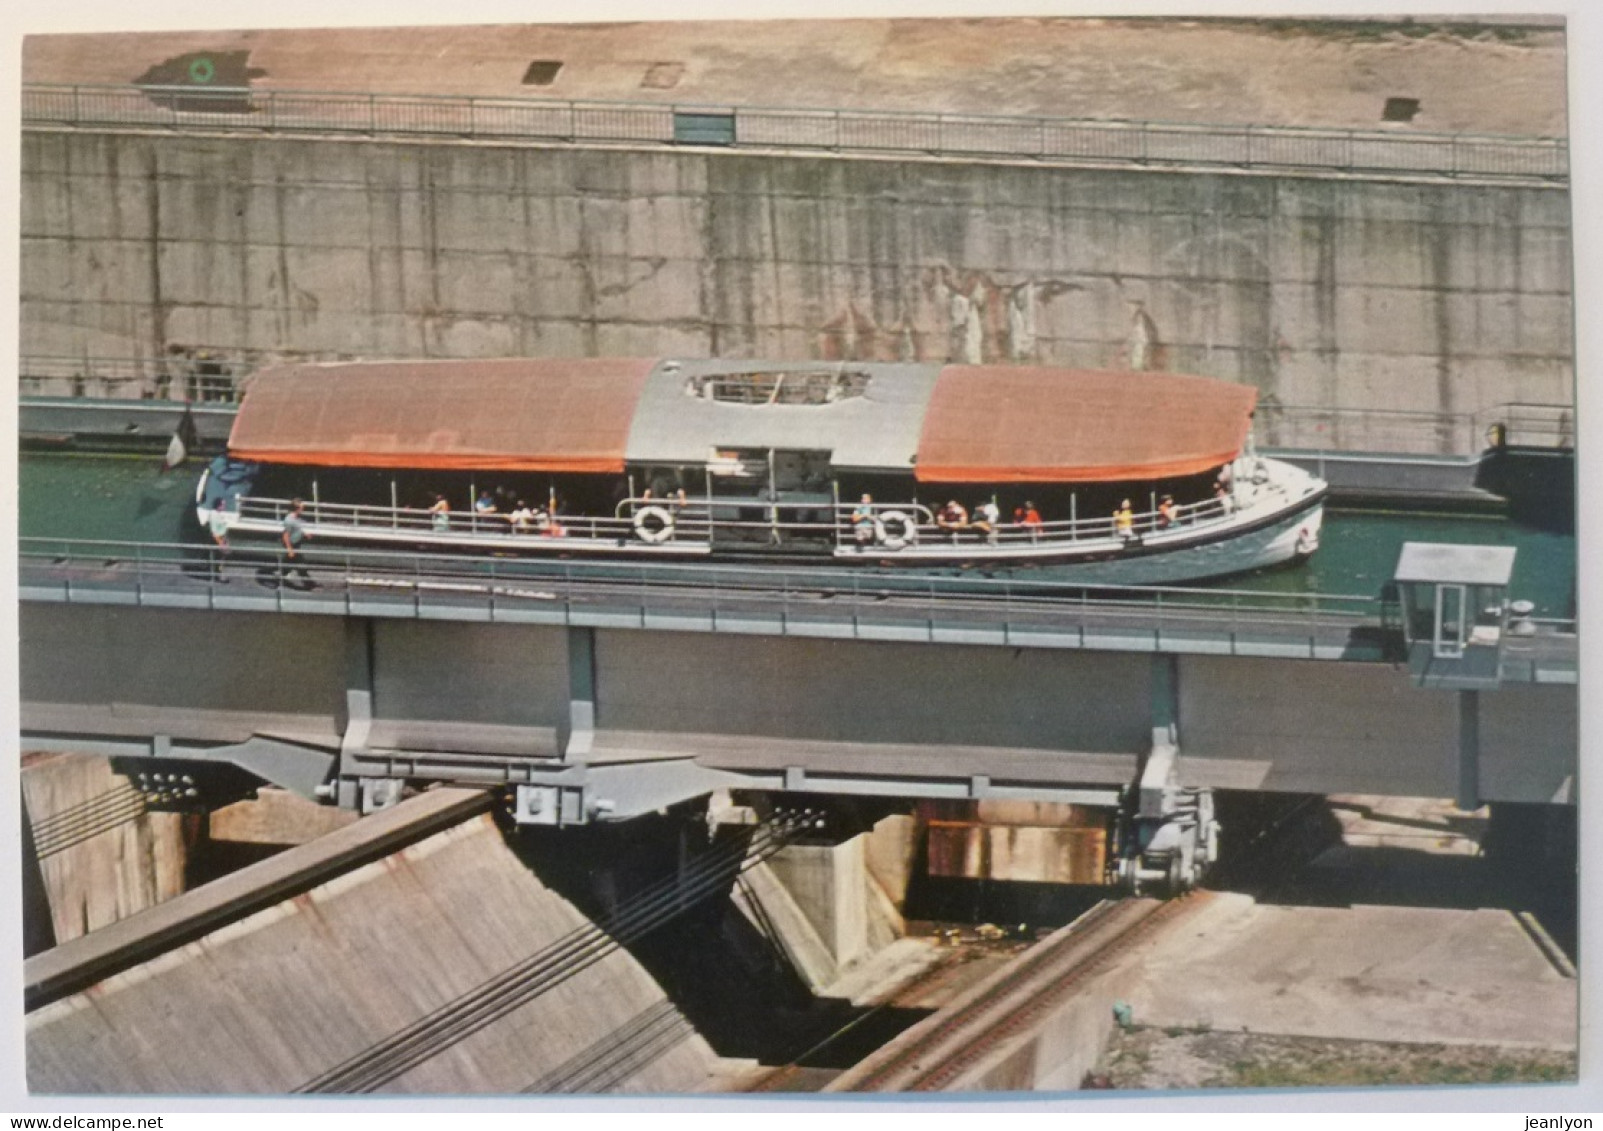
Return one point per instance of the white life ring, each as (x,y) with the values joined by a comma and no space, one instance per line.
(906,530)
(661,532)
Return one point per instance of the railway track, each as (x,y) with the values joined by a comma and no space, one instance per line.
(793,1076)
(936,1053)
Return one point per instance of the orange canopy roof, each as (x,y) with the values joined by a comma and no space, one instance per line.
(514,415)
(1031,424)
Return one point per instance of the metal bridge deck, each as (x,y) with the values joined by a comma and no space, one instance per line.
(830,604)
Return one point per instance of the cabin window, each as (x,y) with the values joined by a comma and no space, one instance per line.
(778,387)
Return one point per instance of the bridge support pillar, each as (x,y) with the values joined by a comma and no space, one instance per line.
(358,711)
(1169,836)
(1469,750)
(579,727)
(828,884)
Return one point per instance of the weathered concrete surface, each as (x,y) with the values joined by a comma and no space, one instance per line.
(1316,73)
(1363,972)
(276,816)
(1330,727)
(823,908)
(890,853)
(102,878)
(289,992)
(830,884)
(1438,298)
(1382,938)
(82,962)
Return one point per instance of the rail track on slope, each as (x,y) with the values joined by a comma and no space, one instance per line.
(934,1054)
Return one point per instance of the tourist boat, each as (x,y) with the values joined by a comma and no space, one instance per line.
(1132,477)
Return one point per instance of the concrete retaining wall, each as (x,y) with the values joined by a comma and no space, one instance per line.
(1442,298)
(296,989)
(107,869)
(1322,727)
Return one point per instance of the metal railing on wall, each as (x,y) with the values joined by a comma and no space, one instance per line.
(204,377)
(1266,149)
(1313,429)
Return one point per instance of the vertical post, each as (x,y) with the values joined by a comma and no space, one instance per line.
(1074,517)
(317,514)
(1165,699)
(773,497)
(1469,751)
(358,708)
(395,505)
(1158,768)
(577,733)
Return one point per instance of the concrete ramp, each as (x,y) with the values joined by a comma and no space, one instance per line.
(271,1002)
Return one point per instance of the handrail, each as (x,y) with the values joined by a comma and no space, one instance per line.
(1142,144)
(108,554)
(699,518)
(217,383)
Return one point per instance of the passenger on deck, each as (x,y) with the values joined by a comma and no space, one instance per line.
(986,518)
(293,534)
(217,524)
(1029,518)
(440,513)
(863,521)
(545,519)
(1167,514)
(678,500)
(1221,493)
(1124,521)
(952,518)
(522,518)
(485,503)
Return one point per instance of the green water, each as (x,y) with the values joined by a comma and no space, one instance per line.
(1358,553)
(128,499)
(115,498)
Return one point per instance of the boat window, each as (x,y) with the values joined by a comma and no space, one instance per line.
(772,386)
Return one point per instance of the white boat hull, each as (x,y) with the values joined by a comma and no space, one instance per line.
(1274,517)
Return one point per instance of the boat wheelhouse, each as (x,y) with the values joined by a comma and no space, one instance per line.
(1115,477)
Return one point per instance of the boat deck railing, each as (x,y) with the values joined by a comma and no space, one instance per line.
(701,521)
(447,525)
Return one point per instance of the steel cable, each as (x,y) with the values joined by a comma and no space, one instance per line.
(552,965)
(575,952)
(512,988)
(88,826)
(618,1055)
(45,826)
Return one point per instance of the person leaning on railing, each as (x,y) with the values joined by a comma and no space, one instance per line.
(1124,521)
(440,513)
(863,521)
